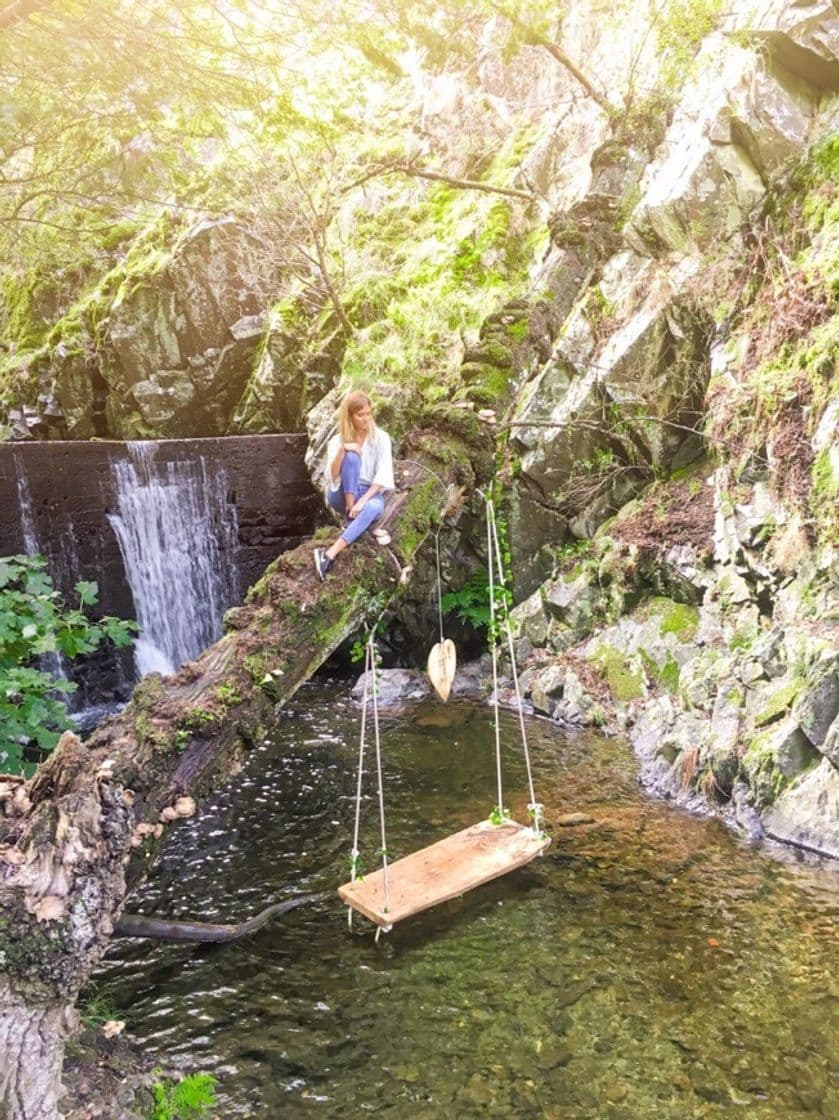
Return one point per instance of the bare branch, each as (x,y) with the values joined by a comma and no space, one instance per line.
(415,172)
(557,53)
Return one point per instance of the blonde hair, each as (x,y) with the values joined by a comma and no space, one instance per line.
(351,404)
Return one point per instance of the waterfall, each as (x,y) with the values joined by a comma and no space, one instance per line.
(52,663)
(27,521)
(178,535)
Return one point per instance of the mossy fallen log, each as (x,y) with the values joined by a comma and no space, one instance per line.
(96,812)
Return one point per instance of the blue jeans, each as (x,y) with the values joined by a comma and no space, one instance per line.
(351,484)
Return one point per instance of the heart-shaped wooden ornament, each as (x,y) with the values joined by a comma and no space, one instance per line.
(442,664)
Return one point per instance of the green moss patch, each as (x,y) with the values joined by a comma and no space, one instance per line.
(625,683)
(780,702)
(676,618)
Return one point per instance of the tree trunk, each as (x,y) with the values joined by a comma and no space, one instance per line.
(32,1039)
(95,813)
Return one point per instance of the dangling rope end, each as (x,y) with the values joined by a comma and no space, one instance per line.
(380,930)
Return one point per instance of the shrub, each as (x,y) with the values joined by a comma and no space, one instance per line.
(34,622)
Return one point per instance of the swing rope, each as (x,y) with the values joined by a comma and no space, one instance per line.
(371,691)
(439,584)
(535,808)
(355,853)
(375,691)
(370,676)
(494,652)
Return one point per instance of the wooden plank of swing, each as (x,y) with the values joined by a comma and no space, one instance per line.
(444,870)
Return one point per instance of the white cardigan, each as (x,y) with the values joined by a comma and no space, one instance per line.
(376,461)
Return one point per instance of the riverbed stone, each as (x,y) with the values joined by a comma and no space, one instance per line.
(571,820)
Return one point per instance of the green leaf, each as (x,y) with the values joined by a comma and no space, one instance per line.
(34,620)
(88,591)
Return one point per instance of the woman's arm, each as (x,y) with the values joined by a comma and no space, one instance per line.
(368,493)
(337,460)
(335,466)
(383,478)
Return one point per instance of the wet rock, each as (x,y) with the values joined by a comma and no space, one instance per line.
(735,125)
(547,687)
(819,707)
(394,686)
(830,746)
(803,38)
(553,1055)
(249,326)
(807,814)
(570,820)
(477,1091)
(745,813)
(530,619)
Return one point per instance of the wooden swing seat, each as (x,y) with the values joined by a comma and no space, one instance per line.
(444,870)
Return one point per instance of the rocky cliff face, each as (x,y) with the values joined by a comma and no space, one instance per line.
(653,319)
(704,615)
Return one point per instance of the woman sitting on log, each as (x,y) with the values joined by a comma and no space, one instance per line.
(360,469)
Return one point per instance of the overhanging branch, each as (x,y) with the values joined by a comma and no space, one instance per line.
(415,172)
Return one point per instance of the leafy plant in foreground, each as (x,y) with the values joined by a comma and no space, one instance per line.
(35,621)
(189,1099)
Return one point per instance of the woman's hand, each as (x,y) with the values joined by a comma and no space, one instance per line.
(356,509)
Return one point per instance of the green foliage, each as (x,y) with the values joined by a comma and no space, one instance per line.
(824,495)
(34,621)
(96,1007)
(189,1099)
(226,695)
(500,815)
(470,603)
(680,27)
(825,157)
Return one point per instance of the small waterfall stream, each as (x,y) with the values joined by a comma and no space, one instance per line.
(52,663)
(178,533)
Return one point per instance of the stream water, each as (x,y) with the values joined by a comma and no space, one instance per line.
(651,965)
